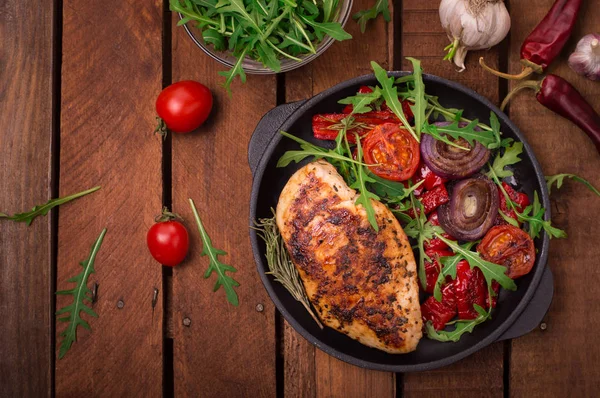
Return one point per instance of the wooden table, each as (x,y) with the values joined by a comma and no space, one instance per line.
(78,80)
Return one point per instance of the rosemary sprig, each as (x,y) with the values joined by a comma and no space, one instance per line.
(280,264)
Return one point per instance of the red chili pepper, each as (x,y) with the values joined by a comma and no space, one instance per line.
(546,41)
(433,268)
(436,243)
(521,200)
(440,313)
(470,288)
(558,95)
(326,126)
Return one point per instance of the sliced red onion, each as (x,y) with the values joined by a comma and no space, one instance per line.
(450,162)
(472,209)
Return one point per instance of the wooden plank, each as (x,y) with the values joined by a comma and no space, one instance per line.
(25,180)
(560,361)
(479,375)
(342,61)
(424,38)
(226,351)
(111,74)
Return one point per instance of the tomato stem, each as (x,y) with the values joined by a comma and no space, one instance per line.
(166,215)
(161,128)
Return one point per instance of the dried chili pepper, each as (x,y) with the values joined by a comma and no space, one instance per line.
(546,41)
(558,95)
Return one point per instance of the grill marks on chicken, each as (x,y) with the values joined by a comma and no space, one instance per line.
(361,282)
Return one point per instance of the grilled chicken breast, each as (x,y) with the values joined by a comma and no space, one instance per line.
(362,283)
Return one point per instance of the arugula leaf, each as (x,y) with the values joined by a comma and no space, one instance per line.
(237,70)
(215,265)
(360,102)
(309,149)
(385,188)
(418,228)
(237,6)
(80,293)
(42,210)
(499,142)
(468,133)
(491,271)
(363,16)
(333,29)
(390,93)
(418,94)
(510,156)
(460,327)
(214,37)
(536,220)
(328,8)
(362,178)
(558,179)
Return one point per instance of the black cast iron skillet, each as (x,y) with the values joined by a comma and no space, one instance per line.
(516,314)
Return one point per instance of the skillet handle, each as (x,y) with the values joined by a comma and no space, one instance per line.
(266,130)
(535,312)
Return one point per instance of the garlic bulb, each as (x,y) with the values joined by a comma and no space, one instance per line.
(585,60)
(473,25)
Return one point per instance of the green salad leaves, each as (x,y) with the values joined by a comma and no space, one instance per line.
(264,31)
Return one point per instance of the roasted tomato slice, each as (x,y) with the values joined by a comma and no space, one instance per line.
(509,246)
(394,150)
(440,313)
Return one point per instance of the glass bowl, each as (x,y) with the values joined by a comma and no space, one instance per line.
(255,67)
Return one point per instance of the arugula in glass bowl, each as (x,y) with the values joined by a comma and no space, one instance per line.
(261,36)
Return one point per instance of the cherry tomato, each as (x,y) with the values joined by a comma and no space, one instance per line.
(168,242)
(184,106)
(394,150)
(509,246)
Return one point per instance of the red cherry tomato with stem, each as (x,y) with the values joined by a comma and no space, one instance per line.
(183,106)
(168,240)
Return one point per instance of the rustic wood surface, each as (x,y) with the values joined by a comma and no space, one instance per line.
(77,87)
(111,62)
(226,351)
(26,117)
(562,360)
